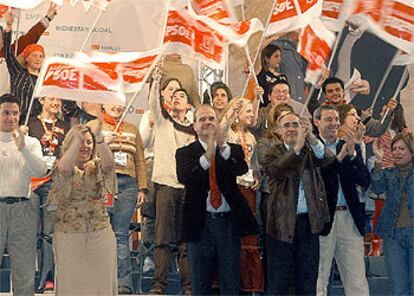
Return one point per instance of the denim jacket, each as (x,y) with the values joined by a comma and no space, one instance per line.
(389,181)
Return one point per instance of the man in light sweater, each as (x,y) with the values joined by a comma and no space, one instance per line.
(20,159)
(172,130)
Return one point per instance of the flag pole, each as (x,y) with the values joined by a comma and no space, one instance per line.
(17,32)
(251,66)
(126,111)
(397,91)
(259,46)
(331,58)
(91,30)
(384,78)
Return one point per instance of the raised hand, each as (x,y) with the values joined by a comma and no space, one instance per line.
(392,104)
(18,136)
(378,151)
(52,11)
(349,138)
(361,87)
(235,108)
(157,72)
(258,91)
(9,18)
(301,139)
(98,131)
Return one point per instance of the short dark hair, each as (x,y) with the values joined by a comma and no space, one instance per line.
(220,85)
(332,80)
(318,112)
(184,91)
(272,86)
(9,98)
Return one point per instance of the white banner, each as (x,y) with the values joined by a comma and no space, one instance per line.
(87,4)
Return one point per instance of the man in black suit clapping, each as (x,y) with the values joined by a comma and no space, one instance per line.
(215,213)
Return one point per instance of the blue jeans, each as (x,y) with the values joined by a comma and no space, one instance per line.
(47,223)
(121,215)
(399,257)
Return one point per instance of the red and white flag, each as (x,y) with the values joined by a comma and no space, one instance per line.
(87,4)
(133,67)
(315,44)
(235,32)
(335,12)
(390,20)
(290,15)
(195,39)
(72,80)
(219,10)
(26,4)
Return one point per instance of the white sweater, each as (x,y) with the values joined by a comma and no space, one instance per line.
(17,167)
(167,140)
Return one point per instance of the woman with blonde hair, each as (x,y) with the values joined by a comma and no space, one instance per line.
(252,277)
(84,243)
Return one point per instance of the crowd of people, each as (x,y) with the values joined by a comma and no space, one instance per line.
(254,194)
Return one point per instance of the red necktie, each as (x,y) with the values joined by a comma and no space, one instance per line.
(215,193)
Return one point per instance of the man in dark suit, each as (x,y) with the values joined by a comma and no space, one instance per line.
(215,213)
(342,237)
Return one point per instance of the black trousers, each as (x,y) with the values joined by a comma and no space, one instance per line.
(292,268)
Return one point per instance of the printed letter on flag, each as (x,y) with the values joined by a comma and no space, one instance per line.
(290,15)
(194,39)
(315,45)
(72,80)
(219,10)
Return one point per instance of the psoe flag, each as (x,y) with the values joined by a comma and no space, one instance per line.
(290,15)
(26,4)
(390,20)
(219,10)
(133,67)
(195,39)
(335,12)
(72,80)
(235,32)
(315,44)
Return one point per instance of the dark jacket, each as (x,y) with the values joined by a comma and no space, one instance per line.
(351,172)
(196,182)
(284,169)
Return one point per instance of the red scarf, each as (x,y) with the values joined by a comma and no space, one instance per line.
(111,121)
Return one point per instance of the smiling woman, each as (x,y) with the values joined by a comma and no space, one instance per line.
(84,243)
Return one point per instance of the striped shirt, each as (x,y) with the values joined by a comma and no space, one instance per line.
(21,81)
